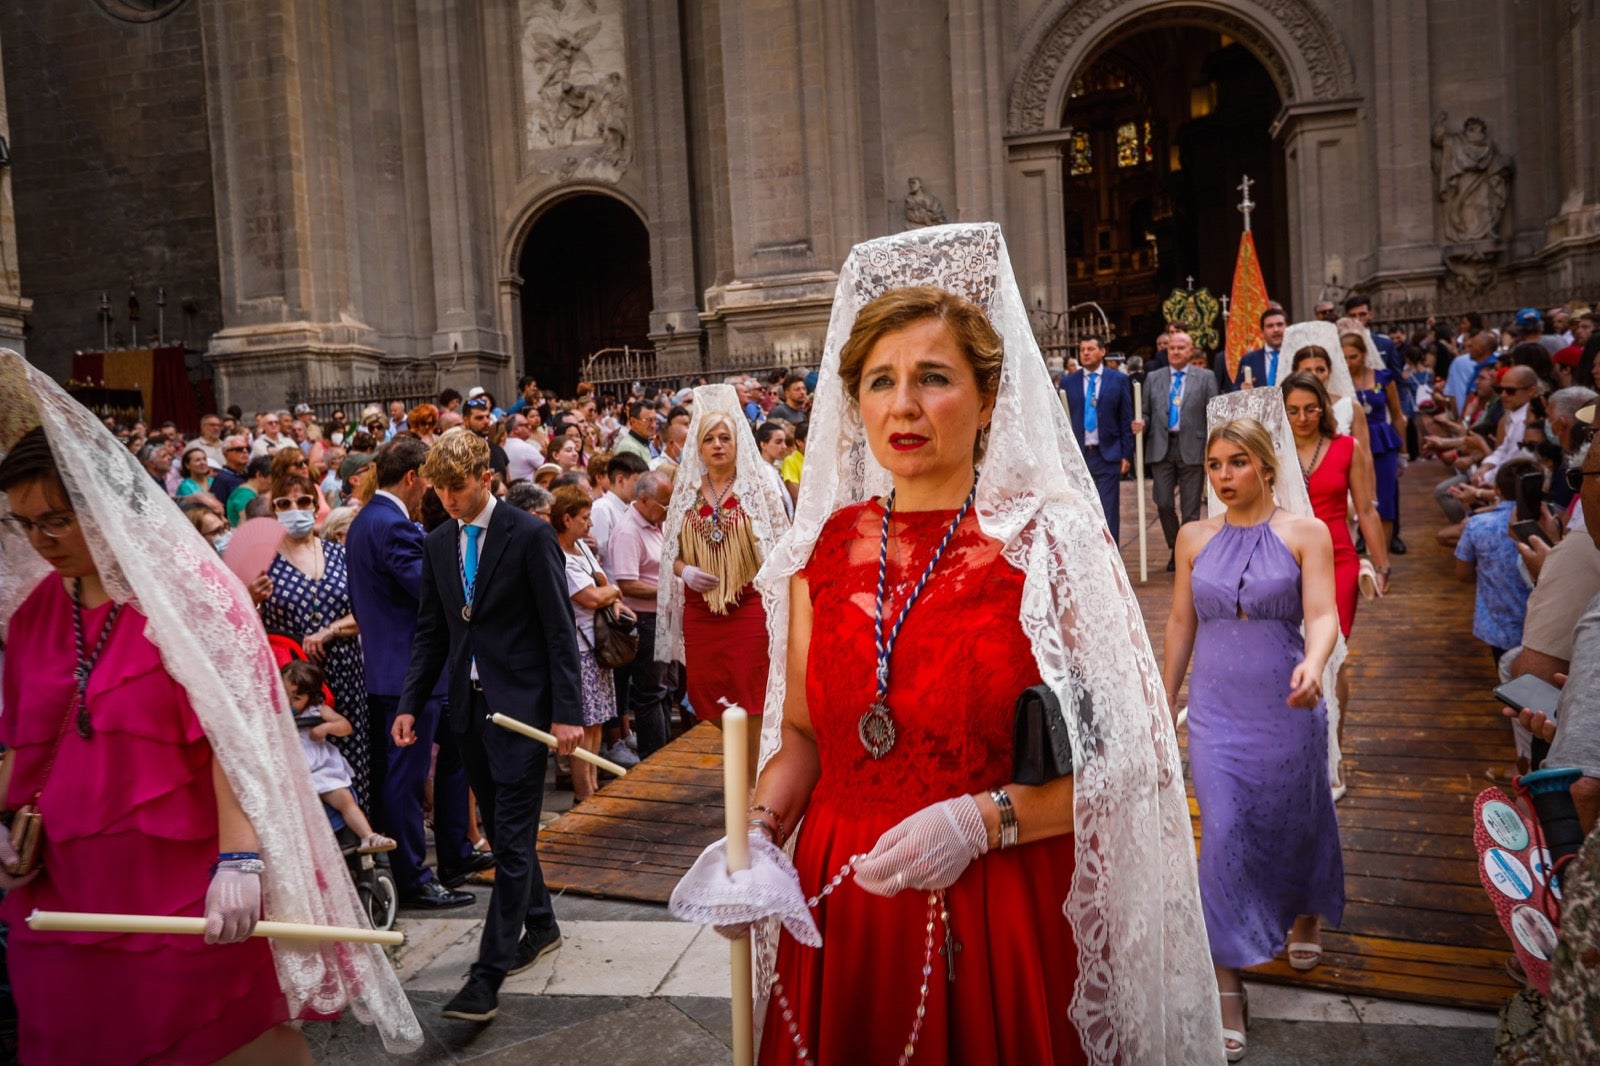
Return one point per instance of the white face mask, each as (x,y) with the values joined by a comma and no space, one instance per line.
(297,523)
(220,541)
(337,438)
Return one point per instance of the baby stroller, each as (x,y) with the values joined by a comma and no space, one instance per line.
(372,874)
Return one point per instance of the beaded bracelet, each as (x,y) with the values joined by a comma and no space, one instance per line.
(243,866)
(227,856)
(776,817)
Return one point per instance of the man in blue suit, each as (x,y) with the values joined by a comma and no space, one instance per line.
(495,608)
(384,553)
(1100,403)
(1261,362)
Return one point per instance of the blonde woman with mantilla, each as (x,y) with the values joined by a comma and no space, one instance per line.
(949,552)
(725,515)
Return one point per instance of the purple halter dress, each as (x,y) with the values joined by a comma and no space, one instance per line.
(1269,846)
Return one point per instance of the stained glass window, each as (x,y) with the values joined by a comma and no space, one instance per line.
(1149,150)
(1082,154)
(1128,145)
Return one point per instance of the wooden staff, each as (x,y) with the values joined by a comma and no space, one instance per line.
(79,922)
(1138,480)
(545,738)
(735,796)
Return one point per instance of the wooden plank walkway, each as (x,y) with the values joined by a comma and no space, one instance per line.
(1423,733)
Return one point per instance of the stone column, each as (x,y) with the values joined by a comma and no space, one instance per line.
(14,307)
(1407,237)
(978,101)
(1573,234)
(1035,226)
(657,63)
(786,93)
(467,347)
(279,173)
(1319,142)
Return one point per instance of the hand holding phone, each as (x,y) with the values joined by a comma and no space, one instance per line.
(1530,693)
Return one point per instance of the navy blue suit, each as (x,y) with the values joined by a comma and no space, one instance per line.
(1114,415)
(1260,368)
(383,553)
(522,641)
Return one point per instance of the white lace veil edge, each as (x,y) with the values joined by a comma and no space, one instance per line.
(1146,991)
(758,494)
(201,619)
(1291,493)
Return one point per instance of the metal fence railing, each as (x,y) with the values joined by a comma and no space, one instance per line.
(411,387)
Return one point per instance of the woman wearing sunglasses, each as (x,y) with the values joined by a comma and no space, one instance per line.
(310,603)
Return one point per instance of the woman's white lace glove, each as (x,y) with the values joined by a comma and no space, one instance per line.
(699,580)
(928,850)
(233,902)
(709,895)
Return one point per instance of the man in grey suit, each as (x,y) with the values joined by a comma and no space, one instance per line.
(1174,424)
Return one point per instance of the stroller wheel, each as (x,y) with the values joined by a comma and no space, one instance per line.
(381,896)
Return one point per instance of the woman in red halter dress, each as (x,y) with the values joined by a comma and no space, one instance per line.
(1337,471)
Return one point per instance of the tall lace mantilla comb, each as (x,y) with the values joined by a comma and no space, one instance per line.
(1146,992)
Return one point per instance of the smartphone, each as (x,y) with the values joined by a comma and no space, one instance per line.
(1534,693)
(1530,496)
(1524,530)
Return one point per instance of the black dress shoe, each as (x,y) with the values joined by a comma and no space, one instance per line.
(533,947)
(435,896)
(479,1001)
(457,872)
(1396,545)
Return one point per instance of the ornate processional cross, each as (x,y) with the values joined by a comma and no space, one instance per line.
(1246,205)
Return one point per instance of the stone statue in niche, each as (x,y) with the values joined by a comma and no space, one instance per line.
(922,207)
(1474,180)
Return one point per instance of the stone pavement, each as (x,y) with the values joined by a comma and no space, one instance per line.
(631,985)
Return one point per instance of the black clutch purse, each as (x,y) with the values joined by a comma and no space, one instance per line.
(1041,749)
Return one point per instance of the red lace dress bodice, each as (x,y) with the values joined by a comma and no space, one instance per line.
(956,670)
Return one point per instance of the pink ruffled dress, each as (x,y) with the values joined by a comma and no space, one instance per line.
(130,819)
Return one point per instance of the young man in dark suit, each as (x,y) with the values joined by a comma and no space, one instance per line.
(384,557)
(1262,363)
(495,607)
(1100,405)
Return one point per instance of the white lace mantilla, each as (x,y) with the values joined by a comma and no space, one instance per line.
(211,641)
(1146,991)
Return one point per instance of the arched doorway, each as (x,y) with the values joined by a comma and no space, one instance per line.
(585,268)
(1161,126)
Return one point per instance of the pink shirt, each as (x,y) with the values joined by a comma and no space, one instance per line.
(634,554)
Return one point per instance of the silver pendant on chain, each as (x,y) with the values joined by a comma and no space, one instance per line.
(466,612)
(716,534)
(877,730)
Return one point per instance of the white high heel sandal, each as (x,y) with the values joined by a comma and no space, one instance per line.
(1236,1053)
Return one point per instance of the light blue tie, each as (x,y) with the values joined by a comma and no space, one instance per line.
(1272,368)
(469,562)
(1173,409)
(1091,417)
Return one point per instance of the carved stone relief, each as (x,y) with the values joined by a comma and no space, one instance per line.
(575,88)
(1319,56)
(922,207)
(1474,179)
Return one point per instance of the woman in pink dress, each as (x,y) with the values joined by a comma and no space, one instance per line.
(151,801)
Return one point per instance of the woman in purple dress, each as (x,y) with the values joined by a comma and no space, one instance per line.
(1258,731)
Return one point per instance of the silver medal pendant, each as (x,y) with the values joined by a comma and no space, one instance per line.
(466,612)
(716,534)
(877,730)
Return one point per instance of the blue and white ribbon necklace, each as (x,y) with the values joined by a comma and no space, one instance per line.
(877,728)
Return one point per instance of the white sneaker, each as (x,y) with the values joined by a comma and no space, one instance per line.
(619,754)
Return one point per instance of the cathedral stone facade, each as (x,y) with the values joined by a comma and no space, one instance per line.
(327,190)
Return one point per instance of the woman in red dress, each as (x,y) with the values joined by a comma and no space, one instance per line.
(1338,472)
(724,515)
(948,553)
